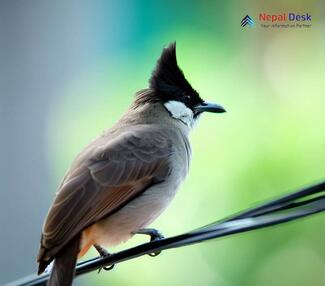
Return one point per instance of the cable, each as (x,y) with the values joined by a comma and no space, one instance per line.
(296,205)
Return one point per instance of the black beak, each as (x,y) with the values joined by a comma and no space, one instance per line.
(209,107)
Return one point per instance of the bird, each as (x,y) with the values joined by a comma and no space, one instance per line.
(126,177)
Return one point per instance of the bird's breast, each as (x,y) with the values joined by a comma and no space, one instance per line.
(145,208)
(138,213)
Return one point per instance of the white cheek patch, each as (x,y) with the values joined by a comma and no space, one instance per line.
(180,111)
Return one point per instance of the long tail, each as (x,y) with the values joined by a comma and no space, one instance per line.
(65,261)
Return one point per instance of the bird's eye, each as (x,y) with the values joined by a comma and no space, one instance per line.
(185,98)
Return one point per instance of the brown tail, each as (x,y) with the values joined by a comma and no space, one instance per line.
(64,264)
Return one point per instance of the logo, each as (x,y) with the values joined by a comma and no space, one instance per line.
(247,20)
(278,20)
(284,17)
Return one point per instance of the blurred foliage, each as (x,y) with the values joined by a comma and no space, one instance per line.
(270,142)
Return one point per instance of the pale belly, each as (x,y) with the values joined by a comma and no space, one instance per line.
(137,214)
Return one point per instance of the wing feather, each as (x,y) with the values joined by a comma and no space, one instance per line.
(100,184)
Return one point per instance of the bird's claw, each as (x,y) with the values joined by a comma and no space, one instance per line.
(154,235)
(103,253)
(106,268)
(154,253)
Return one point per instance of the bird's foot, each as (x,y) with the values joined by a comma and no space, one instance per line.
(103,253)
(154,235)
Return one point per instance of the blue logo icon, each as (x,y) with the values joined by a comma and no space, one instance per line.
(247,20)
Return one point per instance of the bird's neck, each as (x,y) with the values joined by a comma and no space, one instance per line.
(156,113)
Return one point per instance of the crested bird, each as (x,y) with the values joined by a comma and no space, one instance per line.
(125,178)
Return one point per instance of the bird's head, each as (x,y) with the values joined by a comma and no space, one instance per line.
(169,86)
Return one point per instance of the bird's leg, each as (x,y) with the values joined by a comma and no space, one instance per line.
(103,253)
(154,235)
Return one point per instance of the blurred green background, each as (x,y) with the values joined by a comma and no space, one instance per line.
(71,68)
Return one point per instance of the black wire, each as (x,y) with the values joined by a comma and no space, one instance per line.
(291,207)
(298,197)
(283,201)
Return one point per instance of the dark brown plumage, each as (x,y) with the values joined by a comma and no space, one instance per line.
(107,175)
(64,268)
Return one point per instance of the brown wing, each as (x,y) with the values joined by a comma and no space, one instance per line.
(110,176)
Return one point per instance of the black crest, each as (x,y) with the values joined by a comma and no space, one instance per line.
(168,81)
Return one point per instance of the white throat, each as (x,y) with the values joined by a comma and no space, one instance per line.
(180,111)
